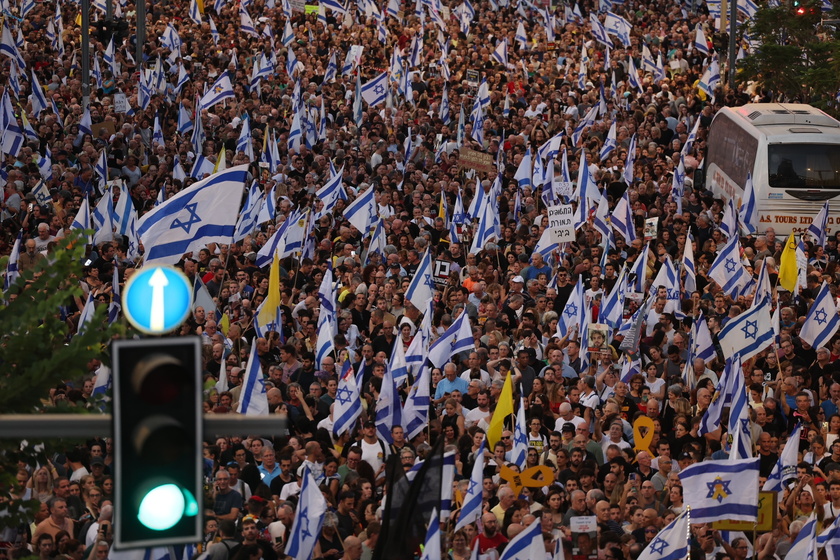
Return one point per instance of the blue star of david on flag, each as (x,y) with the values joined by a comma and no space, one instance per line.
(821,316)
(571,310)
(750,329)
(658,546)
(194,218)
(304,523)
(730,265)
(718,489)
(343,395)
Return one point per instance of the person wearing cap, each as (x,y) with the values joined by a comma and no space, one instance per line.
(97,469)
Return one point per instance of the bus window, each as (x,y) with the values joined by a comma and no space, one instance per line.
(804,166)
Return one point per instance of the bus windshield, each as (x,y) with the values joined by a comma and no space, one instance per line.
(804,166)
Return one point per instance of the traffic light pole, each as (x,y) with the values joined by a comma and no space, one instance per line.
(17,426)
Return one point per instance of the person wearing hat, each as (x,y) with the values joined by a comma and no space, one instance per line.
(97,470)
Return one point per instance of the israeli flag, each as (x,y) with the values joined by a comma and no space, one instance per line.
(471,508)
(12,270)
(456,339)
(375,91)
(309,515)
(222,89)
(822,320)
(747,334)
(527,545)
(205,212)
(253,400)
(416,407)
(817,228)
(722,489)
(362,211)
(671,543)
(727,269)
(348,406)
(422,286)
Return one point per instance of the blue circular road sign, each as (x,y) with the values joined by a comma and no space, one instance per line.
(157,299)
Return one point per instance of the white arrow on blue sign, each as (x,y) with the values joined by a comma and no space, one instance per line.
(157,299)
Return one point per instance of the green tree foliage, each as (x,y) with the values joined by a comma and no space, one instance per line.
(799,58)
(37,351)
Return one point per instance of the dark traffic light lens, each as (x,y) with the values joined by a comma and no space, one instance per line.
(159,379)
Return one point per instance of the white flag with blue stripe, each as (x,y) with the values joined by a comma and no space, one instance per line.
(822,320)
(747,334)
(727,269)
(702,345)
(817,228)
(416,407)
(805,545)
(785,468)
(205,212)
(671,543)
(456,339)
(375,91)
(421,287)
(527,545)
(388,405)
(309,515)
(748,213)
(252,399)
(721,489)
(12,270)
(348,406)
(218,92)
(520,437)
(573,313)
(830,540)
(471,507)
(362,211)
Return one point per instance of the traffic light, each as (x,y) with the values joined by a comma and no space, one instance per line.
(157,441)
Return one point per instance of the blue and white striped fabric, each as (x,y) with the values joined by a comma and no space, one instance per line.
(574,312)
(702,344)
(362,211)
(671,543)
(747,334)
(421,288)
(612,307)
(388,405)
(348,406)
(748,213)
(520,437)
(87,313)
(222,89)
(253,400)
(805,545)
(690,280)
(471,507)
(622,219)
(739,420)
(527,545)
(39,100)
(457,338)
(727,269)
(205,212)
(375,91)
(817,228)
(309,516)
(431,545)
(822,320)
(416,407)
(12,270)
(722,489)
(418,350)
(523,172)
(724,395)
(785,468)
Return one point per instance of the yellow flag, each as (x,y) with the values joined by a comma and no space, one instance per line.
(268,313)
(224,324)
(788,270)
(442,209)
(221,161)
(503,409)
(200,6)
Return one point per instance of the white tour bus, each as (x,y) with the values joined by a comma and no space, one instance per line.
(793,153)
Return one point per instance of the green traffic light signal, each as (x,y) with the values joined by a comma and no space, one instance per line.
(157,441)
(163,506)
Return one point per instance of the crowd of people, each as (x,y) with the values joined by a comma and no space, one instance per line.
(579,411)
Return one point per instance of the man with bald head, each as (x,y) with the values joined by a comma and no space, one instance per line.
(30,257)
(352,548)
